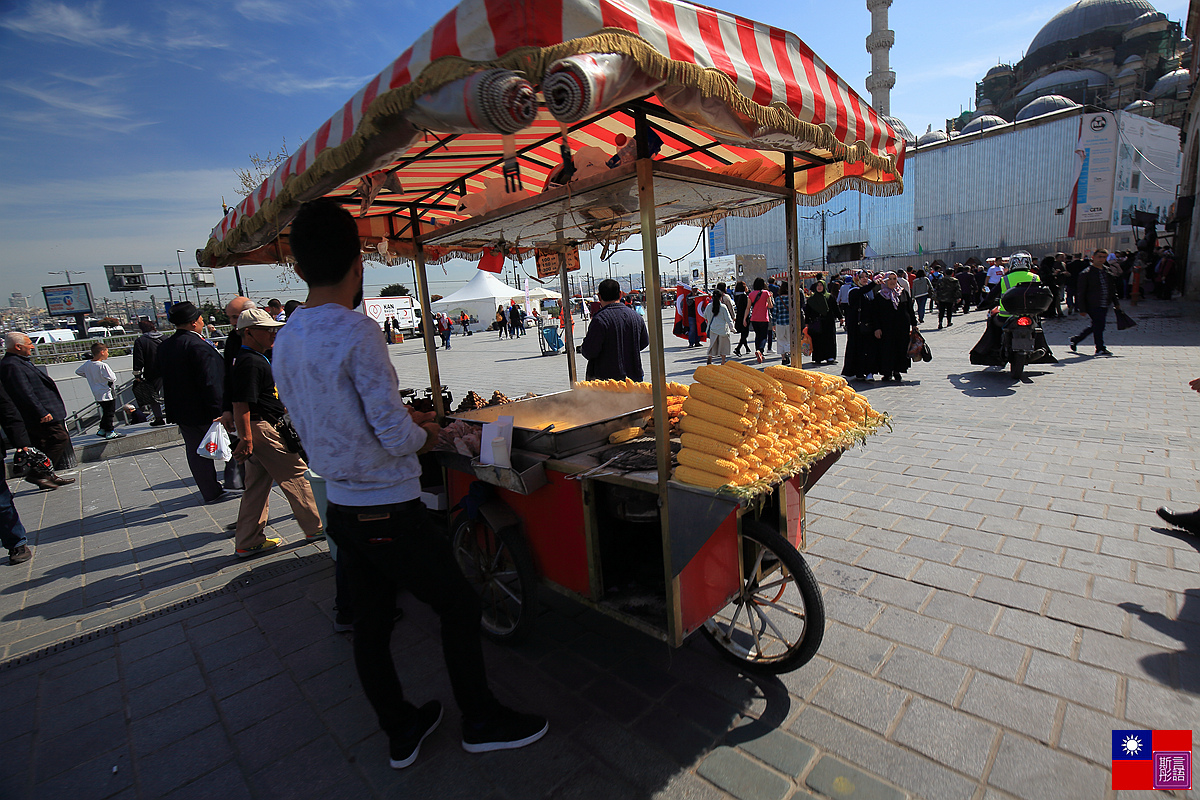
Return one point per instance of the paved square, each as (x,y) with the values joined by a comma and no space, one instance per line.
(1000,596)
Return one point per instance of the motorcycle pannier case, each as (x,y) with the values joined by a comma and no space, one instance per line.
(1028,298)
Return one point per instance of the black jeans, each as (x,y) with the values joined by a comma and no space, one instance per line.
(762,331)
(946,312)
(108,410)
(1096,329)
(389,547)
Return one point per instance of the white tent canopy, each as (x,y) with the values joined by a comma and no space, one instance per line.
(480,296)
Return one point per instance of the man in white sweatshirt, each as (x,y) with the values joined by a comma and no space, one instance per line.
(333,373)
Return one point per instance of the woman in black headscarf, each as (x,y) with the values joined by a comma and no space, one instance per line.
(894,320)
(862,346)
(822,314)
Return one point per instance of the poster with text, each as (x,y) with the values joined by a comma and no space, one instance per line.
(1096,152)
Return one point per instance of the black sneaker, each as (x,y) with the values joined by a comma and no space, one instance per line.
(1074,345)
(1104,351)
(20,555)
(343,621)
(404,748)
(1189,521)
(508,730)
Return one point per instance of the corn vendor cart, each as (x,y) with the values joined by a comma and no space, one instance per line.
(514,130)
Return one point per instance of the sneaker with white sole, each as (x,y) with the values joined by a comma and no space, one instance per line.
(404,748)
(508,730)
(268,544)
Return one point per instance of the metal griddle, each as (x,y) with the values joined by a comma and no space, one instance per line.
(583,419)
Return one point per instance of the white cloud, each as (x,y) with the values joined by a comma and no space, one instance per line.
(81,25)
(69,108)
(265,11)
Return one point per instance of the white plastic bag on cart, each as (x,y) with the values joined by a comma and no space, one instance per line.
(215,444)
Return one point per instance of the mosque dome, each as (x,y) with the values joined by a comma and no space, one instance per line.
(1133,60)
(932,137)
(1088,16)
(1170,83)
(900,128)
(1143,108)
(1065,77)
(1046,104)
(982,123)
(999,69)
(1147,18)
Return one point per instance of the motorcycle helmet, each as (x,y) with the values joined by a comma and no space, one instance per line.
(1020,260)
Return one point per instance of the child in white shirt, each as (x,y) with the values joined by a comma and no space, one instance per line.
(102,381)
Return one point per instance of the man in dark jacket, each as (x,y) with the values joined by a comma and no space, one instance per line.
(37,399)
(1096,292)
(967,286)
(147,383)
(193,376)
(12,532)
(615,338)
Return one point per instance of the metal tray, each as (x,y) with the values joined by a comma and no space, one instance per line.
(584,419)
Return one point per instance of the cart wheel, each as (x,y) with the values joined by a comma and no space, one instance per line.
(777,621)
(498,565)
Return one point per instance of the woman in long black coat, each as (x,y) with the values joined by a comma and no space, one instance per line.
(821,313)
(894,320)
(862,346)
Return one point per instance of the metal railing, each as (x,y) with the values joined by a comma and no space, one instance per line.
(90,415)
(81,349)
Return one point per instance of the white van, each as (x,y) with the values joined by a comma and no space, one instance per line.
(48,337)
(99,332)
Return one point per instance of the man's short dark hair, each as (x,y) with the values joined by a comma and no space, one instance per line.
(273,303)
(145,326)
(609,290)
(324,242)
(98,348)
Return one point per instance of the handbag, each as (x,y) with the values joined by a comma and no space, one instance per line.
(290,436)
(31,462)
(216,444)
(1124,321)
(926,355)
(916,346)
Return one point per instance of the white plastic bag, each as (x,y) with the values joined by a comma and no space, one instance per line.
(215,444)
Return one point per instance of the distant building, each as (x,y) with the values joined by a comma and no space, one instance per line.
(1116,55)
(18,300)
(1000,188)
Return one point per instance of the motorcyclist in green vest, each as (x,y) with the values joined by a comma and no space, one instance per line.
(1020,270)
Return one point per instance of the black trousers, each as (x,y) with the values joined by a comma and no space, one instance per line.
(388,547)
(146,395)
(762,332)
(108,410)
(204,470)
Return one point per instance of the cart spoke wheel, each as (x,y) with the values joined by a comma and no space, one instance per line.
(498,565)
(777,620)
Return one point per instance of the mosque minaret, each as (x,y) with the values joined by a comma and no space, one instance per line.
(882,79)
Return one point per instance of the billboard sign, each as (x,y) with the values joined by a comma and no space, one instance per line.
(398,309)
(1096,154)
(125,277)
(68,299)
(1147,171)
(202,278)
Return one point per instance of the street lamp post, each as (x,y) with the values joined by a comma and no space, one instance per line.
(182,279)
(823,216)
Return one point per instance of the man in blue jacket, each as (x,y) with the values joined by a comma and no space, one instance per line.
(615,339)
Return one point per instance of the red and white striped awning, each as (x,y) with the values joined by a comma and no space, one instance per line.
(729,90)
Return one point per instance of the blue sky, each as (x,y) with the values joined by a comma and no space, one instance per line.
(122,122)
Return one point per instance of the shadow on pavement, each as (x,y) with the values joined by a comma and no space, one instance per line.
(1185,629)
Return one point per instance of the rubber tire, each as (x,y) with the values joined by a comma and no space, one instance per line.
(814,605)
(1016,364)
(526,586)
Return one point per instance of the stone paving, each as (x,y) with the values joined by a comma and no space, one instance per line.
(1000,596)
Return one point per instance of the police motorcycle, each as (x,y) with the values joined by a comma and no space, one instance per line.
(1014,334)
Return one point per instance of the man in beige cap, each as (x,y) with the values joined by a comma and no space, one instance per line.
(256,411)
